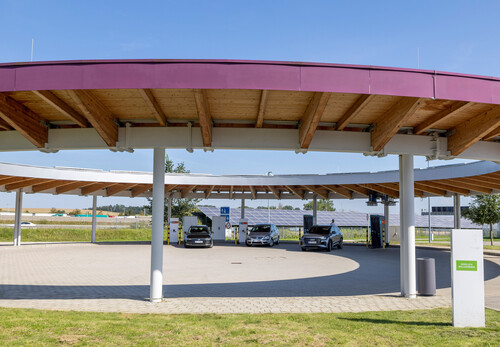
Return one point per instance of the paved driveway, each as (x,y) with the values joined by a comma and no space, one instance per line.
(226,278)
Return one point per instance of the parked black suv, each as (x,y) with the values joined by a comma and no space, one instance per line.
(322,237)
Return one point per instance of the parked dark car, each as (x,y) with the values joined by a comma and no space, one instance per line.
(322,237)
(263,234)
(198,236)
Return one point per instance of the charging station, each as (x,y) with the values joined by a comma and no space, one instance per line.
(188,221)
(174,230)
(378,232)
(219,228)
(243,230)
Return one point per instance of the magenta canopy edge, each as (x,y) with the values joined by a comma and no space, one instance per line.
(244,74)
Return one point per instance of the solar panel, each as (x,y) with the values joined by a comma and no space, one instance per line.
(294,218)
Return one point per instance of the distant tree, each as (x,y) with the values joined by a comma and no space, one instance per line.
(484,209)
(322,205)
(287,207)
(265,207)
(75,212)
(180,207)
(297,208)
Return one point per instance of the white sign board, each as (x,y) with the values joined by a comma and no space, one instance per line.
(242,230)
(174,230)
(467,278)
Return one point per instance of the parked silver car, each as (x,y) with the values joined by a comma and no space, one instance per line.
(322,237)
(263,234)
(198,236)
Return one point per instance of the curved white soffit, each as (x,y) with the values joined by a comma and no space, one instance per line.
(91,175)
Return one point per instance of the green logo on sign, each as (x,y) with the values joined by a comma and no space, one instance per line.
(466,265)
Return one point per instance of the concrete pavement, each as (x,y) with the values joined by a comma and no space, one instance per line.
(224,279)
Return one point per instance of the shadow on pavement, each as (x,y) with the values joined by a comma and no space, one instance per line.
(377,274)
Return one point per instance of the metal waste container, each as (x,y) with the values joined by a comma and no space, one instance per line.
(426,276)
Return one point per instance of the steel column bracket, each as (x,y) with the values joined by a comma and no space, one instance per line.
(301,150)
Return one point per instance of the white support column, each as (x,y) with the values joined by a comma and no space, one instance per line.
(169,207)
(408,198)
(17,217)
(315,209)
(386,218)
(242,208)
(457,213)
(94,217)
(402,256)
(158,208)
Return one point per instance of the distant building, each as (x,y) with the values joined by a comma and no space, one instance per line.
(443,210)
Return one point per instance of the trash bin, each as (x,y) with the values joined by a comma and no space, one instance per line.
(426,276)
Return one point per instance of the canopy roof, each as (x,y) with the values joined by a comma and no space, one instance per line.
(123,104)
(464,179)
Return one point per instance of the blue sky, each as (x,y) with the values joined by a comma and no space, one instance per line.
(458,36)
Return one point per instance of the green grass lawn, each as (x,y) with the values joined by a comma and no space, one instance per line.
(72,235)
(25,327)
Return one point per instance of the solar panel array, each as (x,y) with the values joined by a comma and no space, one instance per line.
(294,218)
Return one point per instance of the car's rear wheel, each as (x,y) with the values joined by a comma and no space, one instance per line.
(341,244)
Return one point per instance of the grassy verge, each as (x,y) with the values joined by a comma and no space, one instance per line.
(402,328)
(72,235)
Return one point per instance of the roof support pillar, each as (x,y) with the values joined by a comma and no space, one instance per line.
(158,208)
(169,207)
(94,217)
(315,209)
(457,213)
(386,219)
(17,217)
(407,197)
(242,208)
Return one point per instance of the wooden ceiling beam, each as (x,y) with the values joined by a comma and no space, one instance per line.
(489,183)
(354,110)
(262,108)
(471,186)
(442,115)
(118,188)
(468,133)
(346,193)
(138,190)
(252,191)
(49,184)
(492,134)
(203,107)
(429,189)
(186,191)
(4,125)
(231,189)
(24,120)
(154,106)
(446,187)
(209,191)
(323,193)
(275,191)
(382,190)
(7,180)
(297,191)
(95,187)
(170,187)
(99,116)
(357,189)
(311,118)
(24,183)
(72,186)
(389,123)
(61,106)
